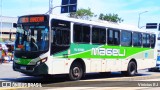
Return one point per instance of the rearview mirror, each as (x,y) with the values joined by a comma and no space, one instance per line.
(15,25)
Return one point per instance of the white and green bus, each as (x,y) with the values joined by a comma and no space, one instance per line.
(51,44)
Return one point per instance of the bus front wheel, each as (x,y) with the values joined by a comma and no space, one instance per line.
(76,71)
(131,70)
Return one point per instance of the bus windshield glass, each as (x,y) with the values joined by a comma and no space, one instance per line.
(32,38)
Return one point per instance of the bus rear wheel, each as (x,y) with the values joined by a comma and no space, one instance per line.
(131,70)
(76,71)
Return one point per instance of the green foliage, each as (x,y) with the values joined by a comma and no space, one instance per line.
(87,14)
(82,14)
(111,18)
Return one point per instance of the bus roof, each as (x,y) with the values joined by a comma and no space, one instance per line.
(101,23)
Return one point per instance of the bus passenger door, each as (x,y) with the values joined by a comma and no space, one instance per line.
(60,44)
(59,49)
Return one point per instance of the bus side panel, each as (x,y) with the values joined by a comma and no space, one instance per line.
(113,65)
(145,59)
(62,65)
(124,64)
(148,59)
(58,65)
(103,65)
(96,65)
(88,65)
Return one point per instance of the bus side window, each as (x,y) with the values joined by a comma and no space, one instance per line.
(152,40)
(81,33)
(126,38)
(110,37)
(116,38)
(86,34)
(137,39)
(77,33)
(65,37)
(98,35)
(113,37)
(95,35)
(146,40)
(102,36)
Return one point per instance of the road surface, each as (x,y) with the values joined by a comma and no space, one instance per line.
(92,81)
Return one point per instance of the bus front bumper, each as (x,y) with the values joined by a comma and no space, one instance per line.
(31,70)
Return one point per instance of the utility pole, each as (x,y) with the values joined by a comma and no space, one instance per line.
(139,18)
(1,19)
(50,6)
(71,6)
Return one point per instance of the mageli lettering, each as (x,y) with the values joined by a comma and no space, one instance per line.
(108,52)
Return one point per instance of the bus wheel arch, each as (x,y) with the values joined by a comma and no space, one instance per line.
(131,68)
(78,66)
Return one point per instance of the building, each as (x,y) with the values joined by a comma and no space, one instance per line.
(6,27)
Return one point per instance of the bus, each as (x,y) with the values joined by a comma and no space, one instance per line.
(53,44)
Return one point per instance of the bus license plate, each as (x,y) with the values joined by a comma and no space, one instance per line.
(23,67)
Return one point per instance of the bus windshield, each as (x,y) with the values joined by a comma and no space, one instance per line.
(32,38)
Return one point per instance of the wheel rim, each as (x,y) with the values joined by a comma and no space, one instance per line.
(76,72)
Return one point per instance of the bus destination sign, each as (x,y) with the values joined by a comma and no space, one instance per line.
(31,19)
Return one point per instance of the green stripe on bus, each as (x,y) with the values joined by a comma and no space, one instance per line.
(24,61)
(128,52)
(86,51)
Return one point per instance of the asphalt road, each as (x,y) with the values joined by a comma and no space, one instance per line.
(91,80)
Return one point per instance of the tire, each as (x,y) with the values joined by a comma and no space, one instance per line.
(131,70)
(76,72)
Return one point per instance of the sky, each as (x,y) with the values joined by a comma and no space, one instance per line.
(128,10)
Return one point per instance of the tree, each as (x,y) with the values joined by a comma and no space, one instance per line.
(82,14)
(111,18)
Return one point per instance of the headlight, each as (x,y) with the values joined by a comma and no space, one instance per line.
(42,61)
